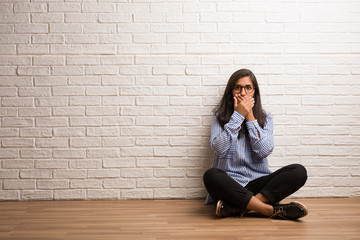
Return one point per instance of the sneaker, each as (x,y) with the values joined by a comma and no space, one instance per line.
(292,211)
(224,209)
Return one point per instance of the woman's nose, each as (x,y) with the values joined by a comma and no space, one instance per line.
(243,92)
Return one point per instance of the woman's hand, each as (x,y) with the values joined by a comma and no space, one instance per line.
(244,105)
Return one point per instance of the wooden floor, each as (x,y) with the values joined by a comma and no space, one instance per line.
(336,218)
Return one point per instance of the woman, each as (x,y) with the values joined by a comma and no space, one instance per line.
(242,138)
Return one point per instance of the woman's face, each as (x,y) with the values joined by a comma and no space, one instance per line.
(244,87)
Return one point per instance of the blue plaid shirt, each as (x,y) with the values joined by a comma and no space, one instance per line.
(243,159)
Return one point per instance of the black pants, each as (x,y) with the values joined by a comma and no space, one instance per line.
(275,186)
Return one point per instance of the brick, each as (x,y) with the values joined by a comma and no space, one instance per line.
(137,194)
(170,193)
(98,7)
(185,101)
(136,152)
(17,102)
(9,173)
(36,195)
(99,28)
(102,111)
(47,17)
(151,141)
(120,184)
(17,122)
(168,48)
(17,164)
(69,132)
(170,152)
(68,174)
(185,141)
(19,184)
(138,173)
(87,184)
(102,91)
(187,121)
(114,18)
(15,60)
(182,17)
(17,142)
(31,71)
(188,183)
(39,154)
(119,163)
(51,164)
(136,131)
(117,121)
(85,164)
(151,101)
(152,121)
(149,17)
(8,112)
(80,60)
(85,142)
(85,101)
(103,174)
(103,194)
(103,153)
(52,143)
(88,80)
(50,81)
(64,7)
(68,111)
(52,184)
(85,121)
(80,18)
(69,154)
(152,162)
(31,28)
(170,172)
(66,49)
(9,132)
(67,71)
(115,60)
(117,142)
(9,195)
(49,60)
(30,7)
(153,183)
(100,49)
(69,194)
(51,122)
(8,49)
(43,173)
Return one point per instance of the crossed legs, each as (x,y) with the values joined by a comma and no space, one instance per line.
(260,194)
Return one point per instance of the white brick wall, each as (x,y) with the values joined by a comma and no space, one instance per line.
(113,99)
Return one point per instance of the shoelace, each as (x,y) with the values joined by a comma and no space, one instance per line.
(279,213)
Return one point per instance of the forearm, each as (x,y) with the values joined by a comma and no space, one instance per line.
(261,139)
(223,139)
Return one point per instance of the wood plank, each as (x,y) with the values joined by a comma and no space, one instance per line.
(329,218)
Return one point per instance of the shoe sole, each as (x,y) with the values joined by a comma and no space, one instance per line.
(218,208)
(302,206)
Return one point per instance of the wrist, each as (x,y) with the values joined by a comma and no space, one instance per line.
(250,117)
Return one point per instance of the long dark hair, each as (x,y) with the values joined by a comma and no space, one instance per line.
(225,108)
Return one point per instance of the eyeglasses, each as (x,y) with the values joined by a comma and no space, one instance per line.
(248,88)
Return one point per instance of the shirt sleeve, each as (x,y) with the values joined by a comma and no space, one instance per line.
(261,139)
(224,140)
